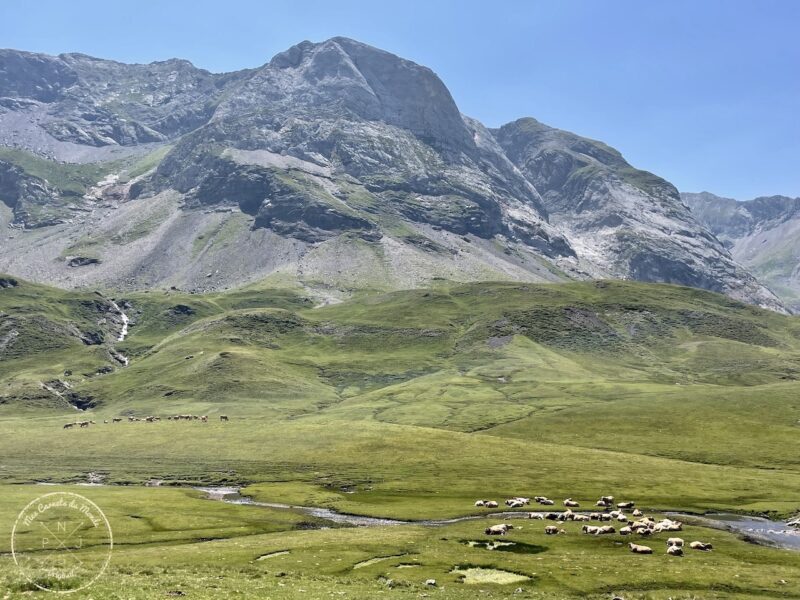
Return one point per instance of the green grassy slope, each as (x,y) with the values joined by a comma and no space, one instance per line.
(409,405)
(654,372)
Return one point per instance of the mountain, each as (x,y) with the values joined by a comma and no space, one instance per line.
(335,165)
(628,223)
(762,234)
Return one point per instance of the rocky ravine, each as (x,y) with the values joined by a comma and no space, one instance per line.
(762,234)
(335,164)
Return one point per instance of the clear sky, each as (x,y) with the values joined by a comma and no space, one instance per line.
(702,92)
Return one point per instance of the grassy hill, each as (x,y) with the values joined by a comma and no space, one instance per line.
(662,367)
(412,404)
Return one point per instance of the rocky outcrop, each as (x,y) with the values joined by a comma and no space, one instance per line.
(34,202)
(88,101)
(359,117)
(34,76)
(762,234)
(623,222)
(82,261)
(731,220)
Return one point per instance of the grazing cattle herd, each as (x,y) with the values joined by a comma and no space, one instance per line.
(637,524)
(82,424)
(150,419)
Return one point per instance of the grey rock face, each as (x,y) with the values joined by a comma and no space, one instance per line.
(77,99)
(344,78)
(31,198)
(365,118)
(337,162)
(762,234)
(622,221)
(33,76)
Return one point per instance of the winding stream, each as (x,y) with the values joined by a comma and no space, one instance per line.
(752,529)
(231,495)
(757,530)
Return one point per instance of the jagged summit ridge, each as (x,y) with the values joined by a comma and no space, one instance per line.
(763,234)
(337,163)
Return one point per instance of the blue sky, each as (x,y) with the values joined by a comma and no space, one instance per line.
(705,92)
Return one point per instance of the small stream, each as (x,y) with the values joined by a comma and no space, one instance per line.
(752,529)
(125,320)
(231,495)
(756,530)
(123,332)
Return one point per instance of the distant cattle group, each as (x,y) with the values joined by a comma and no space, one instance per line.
(149,419)
(82,424)
(637,524)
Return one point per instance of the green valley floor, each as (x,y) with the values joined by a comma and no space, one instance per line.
(408,405)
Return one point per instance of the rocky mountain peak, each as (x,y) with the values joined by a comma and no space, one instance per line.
(39,77)
(354,80)
(763,234)
(337,161)
(623,221)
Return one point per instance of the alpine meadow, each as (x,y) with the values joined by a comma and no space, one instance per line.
(307,331)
